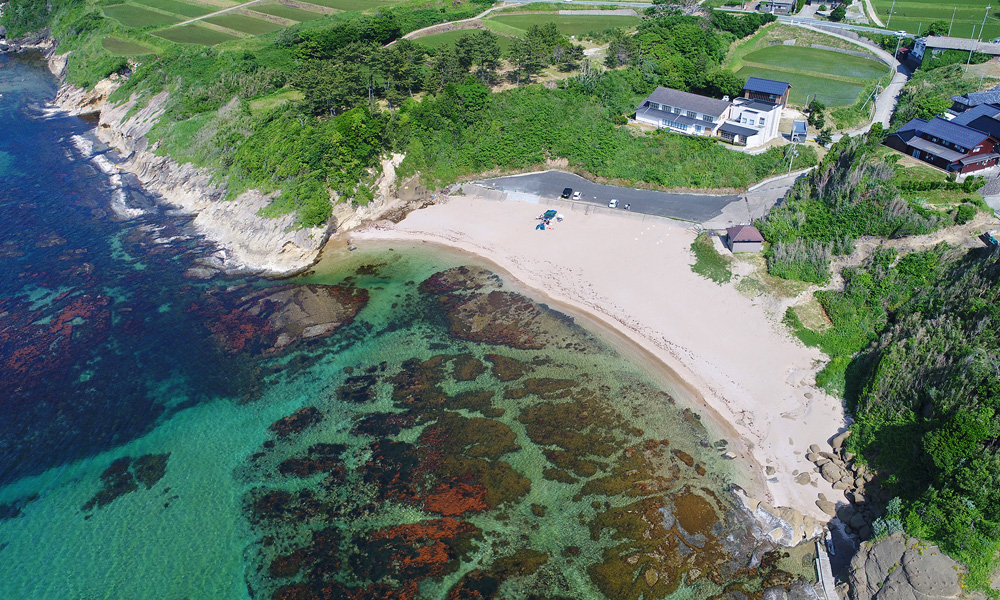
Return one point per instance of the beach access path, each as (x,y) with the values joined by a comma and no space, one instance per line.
(728,358)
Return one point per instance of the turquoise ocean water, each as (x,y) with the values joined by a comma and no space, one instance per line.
(397,423)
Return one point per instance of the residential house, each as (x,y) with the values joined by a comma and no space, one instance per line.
(778,7)
(984,117)
(744,238)
(767,89)
(964,102)
(751,122)
(936,44)
(945,144)
(683,111)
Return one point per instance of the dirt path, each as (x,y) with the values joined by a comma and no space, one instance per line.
(873,14)
(470,23)
(219,12)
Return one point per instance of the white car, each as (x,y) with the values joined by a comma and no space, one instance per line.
(577,195)
(613,204)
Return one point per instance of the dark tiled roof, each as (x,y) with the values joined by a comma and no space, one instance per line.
(931,148)
(977,98)
(979,158)
(943,42)
(688,101)
(910,129)
(731,127)
(766,86)
(744,233)
(966,137)
(980,110)
(670,116)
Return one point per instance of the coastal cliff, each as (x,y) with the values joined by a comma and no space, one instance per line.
(247,240)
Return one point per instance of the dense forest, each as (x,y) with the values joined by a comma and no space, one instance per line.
(307,111)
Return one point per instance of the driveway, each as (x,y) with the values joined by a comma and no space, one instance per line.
(696,208)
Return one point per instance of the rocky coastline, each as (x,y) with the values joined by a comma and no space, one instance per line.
(247,241)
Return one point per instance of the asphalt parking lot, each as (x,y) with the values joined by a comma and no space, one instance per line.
(696,208)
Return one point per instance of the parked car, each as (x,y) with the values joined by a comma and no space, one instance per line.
(567,193)
(577,196)
(613,203)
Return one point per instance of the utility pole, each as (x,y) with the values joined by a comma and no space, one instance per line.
(976,43)
(892,66)
(952,21)
(887,21)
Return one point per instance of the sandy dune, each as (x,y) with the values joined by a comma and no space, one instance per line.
(733,361)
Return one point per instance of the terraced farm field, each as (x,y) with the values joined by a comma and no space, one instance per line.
(576,25)
(911,15)
(124,47)
(194,34)
(286,12)
(183,9)
(238,22)
(834,78)
(135,16)
(353,4)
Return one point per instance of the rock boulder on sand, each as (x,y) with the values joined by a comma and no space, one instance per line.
(896,569)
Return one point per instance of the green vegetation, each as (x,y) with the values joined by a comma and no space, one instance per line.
(286,12)
(928,93)
(353,5)
(708,262)
(135,16)
(238,22)
(180,8)
(124,47)
(449,38)
(816,60)
(805,84)
(851,194)
(194,34)
(574,25)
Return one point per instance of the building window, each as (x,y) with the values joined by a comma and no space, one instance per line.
(654,106)
(677,111)
(698,128)
(743,120)
(977,148)
(762,121)
(692,114)
(751,121)
(708,119)
(676,125)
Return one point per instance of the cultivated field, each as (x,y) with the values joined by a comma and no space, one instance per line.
(183,9)
(286,12)
(124,47)
(804,84)
(914,15)
(352,4)
(194,34)
(577,25)
(244,24)
(136,16)
(816,60)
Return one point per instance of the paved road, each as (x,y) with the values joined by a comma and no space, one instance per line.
(689,207)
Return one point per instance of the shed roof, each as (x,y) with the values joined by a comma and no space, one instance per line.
(744,233)
(953,132)
(934,149)
(688,101)
(766,86)
(761,105)
(943,42)
(730,127)
(979,158)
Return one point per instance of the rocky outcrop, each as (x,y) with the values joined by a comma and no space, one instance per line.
(839,468)
(782,525)
(898,568)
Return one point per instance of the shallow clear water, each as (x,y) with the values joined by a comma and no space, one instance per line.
(391,424)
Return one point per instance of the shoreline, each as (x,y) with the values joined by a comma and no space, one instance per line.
(736,401)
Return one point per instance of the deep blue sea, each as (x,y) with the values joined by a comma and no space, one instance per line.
(396,423)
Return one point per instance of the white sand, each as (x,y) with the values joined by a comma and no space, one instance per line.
(635,276)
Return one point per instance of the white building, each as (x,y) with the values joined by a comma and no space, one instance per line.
(751,122)
(683,111)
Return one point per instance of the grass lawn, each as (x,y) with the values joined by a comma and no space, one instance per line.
(268,102)
(243,23)
(818,61)
(124,47)
(135,16)
(286,12)
(450,37)
(708,262)
(353,4)
(179,8)
(194,34)
(577,25)
(829,92)
(909,15)
(937,198)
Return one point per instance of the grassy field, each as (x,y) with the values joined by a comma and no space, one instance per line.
(577,25)
(911,15)
(179,8)
(449,37)
(286,12)
(194,34)
(238,22)
(830,92)
(135,16)
(352,4)
(817,61)
(268,102)
(124,47)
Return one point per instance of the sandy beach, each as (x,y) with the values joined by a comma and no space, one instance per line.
(736,363)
